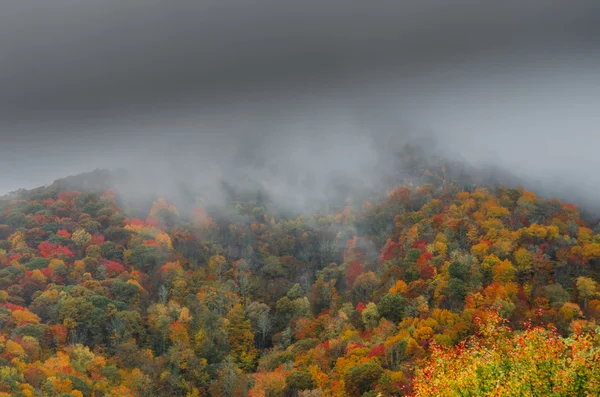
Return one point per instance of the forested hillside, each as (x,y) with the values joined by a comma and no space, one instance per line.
(439,288)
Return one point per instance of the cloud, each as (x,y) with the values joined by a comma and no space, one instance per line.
(305,98)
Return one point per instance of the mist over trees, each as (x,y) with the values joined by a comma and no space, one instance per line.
(388,293)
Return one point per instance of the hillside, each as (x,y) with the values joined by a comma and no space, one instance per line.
(441,286)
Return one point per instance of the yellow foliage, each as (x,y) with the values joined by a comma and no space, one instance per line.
(584,234)
(422,334)
(398,288)
(537,231)
(504,272)
(121,391)
(523,260)
(61,385)
(164,240)
(462,196)
(503,246)
(81,237)
(17,240)
(161,205)
(492,224)
(491,234)
(480,250)
(27,390)
(472,234)
(38,276)
(14,348)
(440,248)
(184,316)
(25,316)
(591,251)
(56,364)
(497,212)
(412,234)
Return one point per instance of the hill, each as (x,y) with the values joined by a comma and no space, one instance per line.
(381,295)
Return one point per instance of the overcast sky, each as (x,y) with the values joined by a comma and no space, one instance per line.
(299,93)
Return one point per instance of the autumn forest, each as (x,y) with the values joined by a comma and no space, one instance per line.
(435,287)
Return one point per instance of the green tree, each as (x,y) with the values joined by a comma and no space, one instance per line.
(392,307)
(362,378)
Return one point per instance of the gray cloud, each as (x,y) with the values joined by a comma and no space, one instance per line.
(299,96)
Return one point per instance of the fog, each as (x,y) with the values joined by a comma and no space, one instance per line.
(304,100)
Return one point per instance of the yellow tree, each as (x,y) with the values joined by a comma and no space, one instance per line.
(241,338)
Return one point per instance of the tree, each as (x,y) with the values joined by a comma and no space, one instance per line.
(586,288)
(230,380)
(362,378)
(241,339)
(507,363)
(364,286)
(258,314)
(297,381)
(81,237)
(370,315)
(457,291)
(392,307)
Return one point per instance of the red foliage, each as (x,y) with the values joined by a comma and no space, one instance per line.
(34,376)
(12,307)
(151,242)
(390,251)
(113,268)
(424,258)
(199,212)
(64,233)
(48,249)
(426,272)
(360,307)
(353,271)
(67,196)
(97,239)
(59,333)
(134,222)
(109,195)
(42,219)
(438,220)
(401,194)
(353,346)
(152,221)
(419,244)
(324,312)
(378,350)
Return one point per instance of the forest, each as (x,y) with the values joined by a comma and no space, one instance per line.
(435,288)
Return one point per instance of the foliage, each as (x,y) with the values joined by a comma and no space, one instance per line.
(433,288)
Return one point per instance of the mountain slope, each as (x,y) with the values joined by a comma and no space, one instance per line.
(96,300)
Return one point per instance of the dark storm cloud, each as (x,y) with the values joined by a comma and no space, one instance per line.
(66,54)
(296,95)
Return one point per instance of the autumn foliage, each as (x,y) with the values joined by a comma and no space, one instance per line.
(433,289)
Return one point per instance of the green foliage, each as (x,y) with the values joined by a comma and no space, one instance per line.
(299,380)
(37,263)
(362,378)
(250,300)
(392,307)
